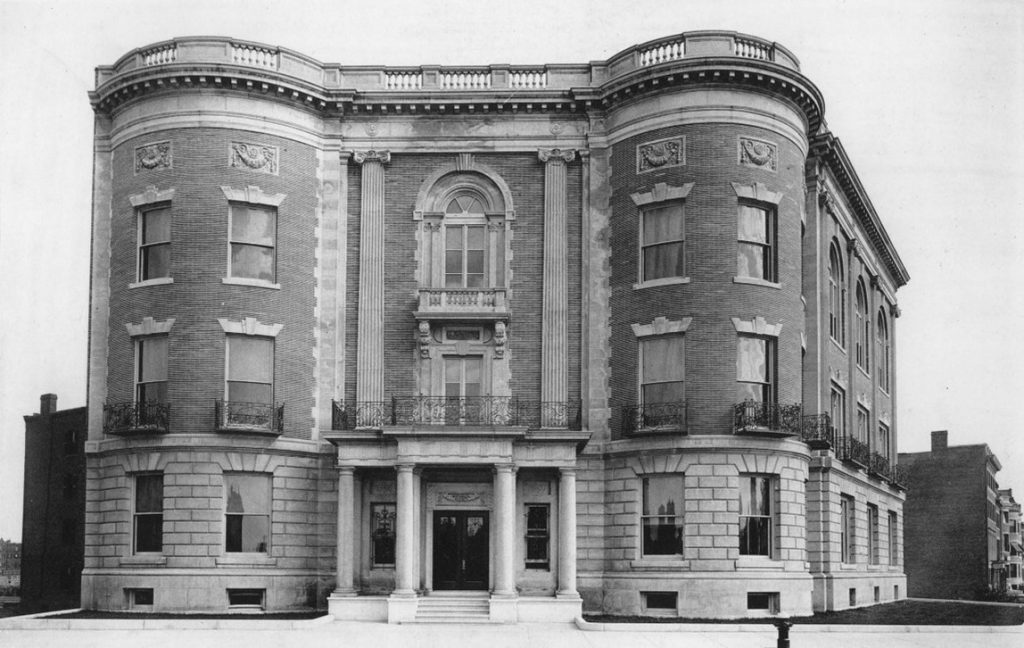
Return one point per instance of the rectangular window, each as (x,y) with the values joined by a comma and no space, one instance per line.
(538,536)
(154,243)
(756,521)
(250,369)
(659,601)
(464,256)
(151,369)
(883,441)
(764,601)
(894,540)
(382,534)
(247,515)
(71,438)
(755,369)
(756,246)
(847,523)
(662,516)
(1006,542)
(663,242)
(873,534)
(837,410)
(140,598)
(246,598)
(463,376)
(253,242)
(862,424)
(662,370)
(149,513)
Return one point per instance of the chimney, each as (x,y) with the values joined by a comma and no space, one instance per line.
(47,404)
(940,440)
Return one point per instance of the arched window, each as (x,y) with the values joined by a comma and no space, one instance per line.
(863,331)
(883,361)
(836,296)
(465,236)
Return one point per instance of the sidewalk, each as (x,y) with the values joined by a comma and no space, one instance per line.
(336,634)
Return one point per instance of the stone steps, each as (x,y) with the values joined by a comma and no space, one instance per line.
(453,609)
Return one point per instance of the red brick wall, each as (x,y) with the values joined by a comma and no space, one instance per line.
(199,252)
(711,298)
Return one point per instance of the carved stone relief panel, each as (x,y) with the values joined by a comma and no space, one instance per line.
(150,157)
(254,157)
(759,154)
(661,154)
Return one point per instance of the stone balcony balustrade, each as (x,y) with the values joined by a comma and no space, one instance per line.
(462,304)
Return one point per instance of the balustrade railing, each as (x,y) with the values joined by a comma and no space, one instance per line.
(746,48)
(403,80)
(486,411)
(759,417)
(527,79)
(237,415)
(465,80)
(443,299)
(159,55)
(662,52)
(652,418)
(245,54)
(136,418)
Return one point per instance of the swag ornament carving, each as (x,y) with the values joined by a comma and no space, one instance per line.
(500,338)
(153,156)
(254,156)
(424,339)
(660,154)
(758,154)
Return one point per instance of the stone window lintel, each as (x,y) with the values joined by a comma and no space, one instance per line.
(253,195)
(149,326)
(758,192)
(757,326)
(661,192)
(151,196)
(250,326)
(661,326)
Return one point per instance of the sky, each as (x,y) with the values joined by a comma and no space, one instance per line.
(927,97)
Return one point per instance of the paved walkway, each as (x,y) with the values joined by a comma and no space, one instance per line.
(380,635)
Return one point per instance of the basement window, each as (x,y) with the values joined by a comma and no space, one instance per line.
(140,599)
(763,602)
(247,598)
(660,603)
(853,596)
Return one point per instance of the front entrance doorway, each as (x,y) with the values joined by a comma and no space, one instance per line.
(460,550)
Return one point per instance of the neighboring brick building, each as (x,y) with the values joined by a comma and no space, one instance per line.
(360,335)
(10,563)
(53,515)
(953,525)
(1012,551)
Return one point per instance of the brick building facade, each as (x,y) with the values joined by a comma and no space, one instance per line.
(614,336)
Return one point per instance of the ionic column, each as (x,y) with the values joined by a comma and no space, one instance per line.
(554,314)
(567,534)
(405,545)
(505,543)
(346,532)
(370,354)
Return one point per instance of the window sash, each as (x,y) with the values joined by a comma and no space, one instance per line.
(756,516)
(253,243)
(247,512)
(465,256)
(893,540)
(862,425)
(250,373)
(148,515)
(382,533)
(463,376)
(151,369)
(663,242)
(755,368)
(873,554)
(755,254)
(846,529)
(661,517)
(837,409)
(538,536)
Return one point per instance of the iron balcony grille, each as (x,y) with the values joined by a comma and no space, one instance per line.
(879,465)
(900,477)
(237,416)
(652,418)
(470,411)
(854,451)
(758,417)
(136,418)
(817,431)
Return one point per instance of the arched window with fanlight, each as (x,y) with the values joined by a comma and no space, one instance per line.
(863,330)
(465,243)
(836,296)
(883,361)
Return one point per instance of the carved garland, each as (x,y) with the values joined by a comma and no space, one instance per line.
(660,154)
(153,156)
(758,154)
(257,157)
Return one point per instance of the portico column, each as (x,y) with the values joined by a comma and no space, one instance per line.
(346,537)
(370,352)
(554,313)
(567,534)
(505,545)
(404,541)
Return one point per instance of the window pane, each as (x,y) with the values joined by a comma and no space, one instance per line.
(252,262)
(453,237)
(149,532)
(755,536)
(752,359)
(475,236)
(662,536)
(156,226)
(750,261)
(475,262)
(149,494)
(252,226)
(473,370)
(247,533)
(762,494)
(156,261)
(662,358)
(243,392)
(666,392)
(250,359)
(153,358)
(665,260)
(752,391)
(663,224)
(537,548)
(537,518)
(247,493)
(753,224)
(663,495)
(154,392)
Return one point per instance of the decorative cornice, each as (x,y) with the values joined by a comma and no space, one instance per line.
(757,191)
(150,196)
(757,326)
(362,157)
(149,326)
(660,193)
(556,155)
(250,326)
(661,326)
(253,195)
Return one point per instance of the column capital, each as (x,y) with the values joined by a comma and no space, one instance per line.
(556,155)
(567,471)
(505,467)
(361,157)
(346,470)
(405,467)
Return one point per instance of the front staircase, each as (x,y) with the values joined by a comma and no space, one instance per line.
(453,608)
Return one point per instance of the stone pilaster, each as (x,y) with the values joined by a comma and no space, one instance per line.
(346,532)
(370,354)
(554,313)
(567,534)
(505,543)
(405,546)
(99,299)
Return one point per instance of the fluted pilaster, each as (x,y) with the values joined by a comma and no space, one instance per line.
(370,354)
(346,532)
(405,547)
(554,314)
(567,534)
(505,546)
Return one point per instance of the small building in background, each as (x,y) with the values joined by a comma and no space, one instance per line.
(953,529)
(1011,549)
(53,518)
(10,564)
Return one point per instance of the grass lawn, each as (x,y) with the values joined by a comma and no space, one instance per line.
(898,613)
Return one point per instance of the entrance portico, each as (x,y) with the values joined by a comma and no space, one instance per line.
(454,503)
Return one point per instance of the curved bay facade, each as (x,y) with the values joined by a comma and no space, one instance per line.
(498,342)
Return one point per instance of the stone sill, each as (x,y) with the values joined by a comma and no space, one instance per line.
(753,281)
(758,563)
(245,560)
(161,281)
(667,565)
(143,560)
(255,283)
(665,281)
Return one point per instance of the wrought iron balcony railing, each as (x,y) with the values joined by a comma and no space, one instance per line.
(136,418)
(652,418)
(757,417)
(817,431)
(879,465)
(236,416)
(899,476)
(486,411)
(854,451)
